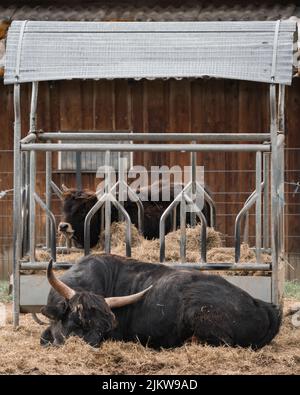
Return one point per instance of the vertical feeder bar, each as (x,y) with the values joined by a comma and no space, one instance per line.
(32,206)
(193,177)
(78,171)
(281,127)
(274,196)
(33,106)
(183,228)
(121,184)
(266,226)
(107,202)
(17,207)
(274,174)
(174,219)
(258,207)
(23,203)
(246,228)
(48,196)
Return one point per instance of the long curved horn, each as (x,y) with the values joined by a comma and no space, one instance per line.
(58,285)
(120,301)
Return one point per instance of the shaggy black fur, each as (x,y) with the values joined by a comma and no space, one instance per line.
(180,305)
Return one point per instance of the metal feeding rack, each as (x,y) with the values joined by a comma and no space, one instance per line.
(252,51)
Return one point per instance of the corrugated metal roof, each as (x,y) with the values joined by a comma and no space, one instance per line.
(148,10)
(38,51)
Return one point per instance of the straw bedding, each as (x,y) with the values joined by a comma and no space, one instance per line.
(21,354)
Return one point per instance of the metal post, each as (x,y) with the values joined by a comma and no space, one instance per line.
(183,228)
(266,226)
(48,196)
(174,219)
(107,202)
(211,203)
(121,184)
(258,207)
(203,231)
(33,106)
(52,221)
(56,190)
(281,103)
(274,196)
(78,171)
(237,227)
(193,162)
(17,207)
(24,202)
(281,127)
(32,206)
(87,222)
(162,222)
(128,223)
(280,146)
(27,186)
(246,228)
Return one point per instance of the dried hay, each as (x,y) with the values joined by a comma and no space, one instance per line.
(226,254)
(148,250)
(21,353)
(118,236)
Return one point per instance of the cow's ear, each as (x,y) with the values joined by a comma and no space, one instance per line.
(54,312)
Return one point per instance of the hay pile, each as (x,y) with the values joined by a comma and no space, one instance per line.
(21,354)
(118,232)
(226,254)
(148,250)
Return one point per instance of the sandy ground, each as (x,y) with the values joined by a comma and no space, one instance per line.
(20,353)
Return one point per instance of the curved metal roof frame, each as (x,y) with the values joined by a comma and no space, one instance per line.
(253,51)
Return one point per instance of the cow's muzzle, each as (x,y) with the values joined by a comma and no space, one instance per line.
(66,229)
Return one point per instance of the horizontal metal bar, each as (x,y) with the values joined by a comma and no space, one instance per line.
(147,147)
(28,139)
(199,266)
(63,249)
(221,266)
(183,136)
(44,265)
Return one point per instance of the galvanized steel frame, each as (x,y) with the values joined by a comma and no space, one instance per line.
(272,146)
(270,150)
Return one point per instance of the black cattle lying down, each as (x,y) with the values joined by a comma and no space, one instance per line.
(110,297)
(76,205)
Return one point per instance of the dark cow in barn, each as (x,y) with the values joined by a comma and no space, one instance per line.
(76,205)
(111,297)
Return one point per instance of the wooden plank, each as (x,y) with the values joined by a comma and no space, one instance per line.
(137,115)
(208,114)
(156,117)
(292,208)
(179,116)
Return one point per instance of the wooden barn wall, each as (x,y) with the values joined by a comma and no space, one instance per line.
(159,106)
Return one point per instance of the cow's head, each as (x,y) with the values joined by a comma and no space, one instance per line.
(76,205)
(84,314)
